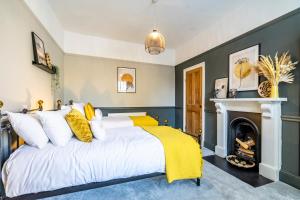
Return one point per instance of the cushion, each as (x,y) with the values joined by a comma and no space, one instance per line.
(79,125)
(89,111)
(79,107)
(55,126)
(29,129)
(97,129)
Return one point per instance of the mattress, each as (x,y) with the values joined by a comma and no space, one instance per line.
(126,152)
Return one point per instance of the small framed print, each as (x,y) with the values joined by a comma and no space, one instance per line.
(126,80)
(38,49)
(221,88)
(242,74)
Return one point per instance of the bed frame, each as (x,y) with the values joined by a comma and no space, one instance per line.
(10,141)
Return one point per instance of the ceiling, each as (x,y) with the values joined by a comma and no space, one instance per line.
(131,20)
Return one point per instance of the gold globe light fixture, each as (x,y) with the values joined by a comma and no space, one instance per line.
(155,43)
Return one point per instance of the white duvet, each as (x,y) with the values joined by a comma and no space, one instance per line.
(126,152)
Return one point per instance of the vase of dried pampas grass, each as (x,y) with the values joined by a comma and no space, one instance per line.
(274,91)
(276,71)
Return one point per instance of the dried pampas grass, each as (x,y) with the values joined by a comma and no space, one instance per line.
(278,70)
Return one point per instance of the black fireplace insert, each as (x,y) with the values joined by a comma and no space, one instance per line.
(244,136)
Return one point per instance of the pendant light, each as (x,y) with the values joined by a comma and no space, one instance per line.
(155,42)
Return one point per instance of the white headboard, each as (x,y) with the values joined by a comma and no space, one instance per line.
(127,114)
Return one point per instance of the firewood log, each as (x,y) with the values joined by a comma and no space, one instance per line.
(246,151)
(250,143)
(245,154)
(246,144)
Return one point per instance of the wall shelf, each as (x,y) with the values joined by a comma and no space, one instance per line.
(45,68)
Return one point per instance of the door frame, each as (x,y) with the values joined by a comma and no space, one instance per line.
(202,65)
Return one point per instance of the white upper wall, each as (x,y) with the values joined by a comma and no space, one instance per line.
(22,83)
(76,43)
(245,16)
(43,12)
(131,20)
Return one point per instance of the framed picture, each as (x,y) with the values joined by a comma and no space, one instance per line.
(221,88)
(242,74)
(126,80)
(38,49)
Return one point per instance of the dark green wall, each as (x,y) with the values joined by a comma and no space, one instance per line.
(279,35)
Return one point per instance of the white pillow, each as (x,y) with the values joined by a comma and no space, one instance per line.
(64,110)
(98,114)
(28,128)
(63,107)
(79,107)
(55,126)
(97,129)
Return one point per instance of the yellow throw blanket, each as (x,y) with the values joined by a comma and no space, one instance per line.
(143,121)
(182,153)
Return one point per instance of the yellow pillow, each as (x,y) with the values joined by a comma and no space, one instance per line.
(79,125)
(89,111)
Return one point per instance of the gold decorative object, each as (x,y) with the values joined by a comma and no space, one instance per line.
(264,89)
(233,159)
(1,104)
(277,70)
(48,60)
(40,104)
(59,102)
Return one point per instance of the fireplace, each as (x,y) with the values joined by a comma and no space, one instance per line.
(243,141)
(269,129)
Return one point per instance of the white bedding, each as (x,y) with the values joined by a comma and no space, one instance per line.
(126,152)
(116,122)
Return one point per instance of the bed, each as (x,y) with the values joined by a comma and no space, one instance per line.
(128,153)
(137,153)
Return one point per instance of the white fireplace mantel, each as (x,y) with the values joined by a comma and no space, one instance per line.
(250,100)
(270,110)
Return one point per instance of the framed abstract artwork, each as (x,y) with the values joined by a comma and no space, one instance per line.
(242,74)
(126,80)
(221,88)
(38,49)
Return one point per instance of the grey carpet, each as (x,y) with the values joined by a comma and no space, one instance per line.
(215,185)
